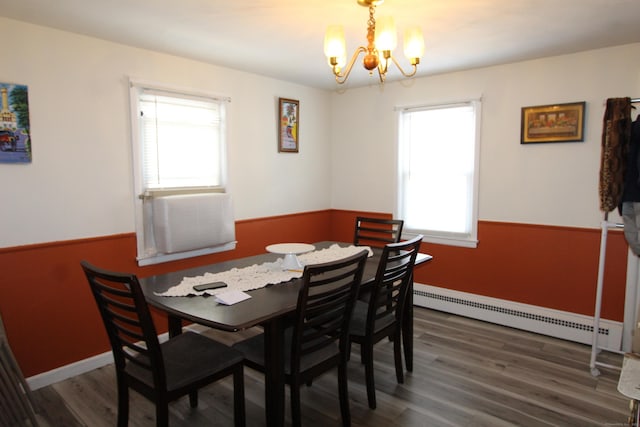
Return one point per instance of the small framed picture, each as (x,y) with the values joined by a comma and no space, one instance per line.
(289,126)
(553,123)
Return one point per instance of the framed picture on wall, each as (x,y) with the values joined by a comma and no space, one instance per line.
(289,125)
(15,138)
(553,123)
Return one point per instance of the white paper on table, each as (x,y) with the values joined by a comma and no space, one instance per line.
(231,297)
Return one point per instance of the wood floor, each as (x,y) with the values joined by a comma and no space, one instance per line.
(466,373)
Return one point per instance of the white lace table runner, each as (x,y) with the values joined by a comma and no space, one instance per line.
(259,276)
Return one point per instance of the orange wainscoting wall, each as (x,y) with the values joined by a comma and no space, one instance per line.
(52,320)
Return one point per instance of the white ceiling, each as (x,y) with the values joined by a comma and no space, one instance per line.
(284,38)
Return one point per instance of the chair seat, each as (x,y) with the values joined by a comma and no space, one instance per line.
(253,351)
(186,358)
(359,320)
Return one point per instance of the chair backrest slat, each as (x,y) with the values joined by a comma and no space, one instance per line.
(377,232)
(126,337)
(325,304)
(395,272)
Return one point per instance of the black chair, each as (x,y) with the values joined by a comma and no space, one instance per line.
(160,372)
(16,402)
(377,232)
(382,315)
(318,339)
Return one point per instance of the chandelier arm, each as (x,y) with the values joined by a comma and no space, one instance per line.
(382,70)
(342,77)
(414,68)
(383,66)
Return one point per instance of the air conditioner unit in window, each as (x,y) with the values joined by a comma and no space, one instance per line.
(192,221)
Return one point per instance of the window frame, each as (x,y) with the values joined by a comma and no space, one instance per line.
(470,239)
(142,227)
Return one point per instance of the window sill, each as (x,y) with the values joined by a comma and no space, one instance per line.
(465,242)
(160,258)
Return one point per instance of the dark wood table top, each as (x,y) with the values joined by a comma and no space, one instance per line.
(265,304)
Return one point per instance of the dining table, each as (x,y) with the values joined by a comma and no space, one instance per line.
(270,307)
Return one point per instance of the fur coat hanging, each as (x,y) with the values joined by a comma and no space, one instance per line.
(616,133)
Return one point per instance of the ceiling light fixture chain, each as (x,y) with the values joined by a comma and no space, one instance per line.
(371,60)
(381,40)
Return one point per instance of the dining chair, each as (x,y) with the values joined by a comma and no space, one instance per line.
(16,402)
(160,372)
(317,340)
(377,232)
(382,315)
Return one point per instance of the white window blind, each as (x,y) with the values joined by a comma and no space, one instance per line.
(182,140)
(438,170)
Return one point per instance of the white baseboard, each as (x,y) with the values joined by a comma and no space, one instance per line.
(62,373)
(546,321)
(77,368)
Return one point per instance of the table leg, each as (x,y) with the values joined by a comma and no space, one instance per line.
(407,328)
(274,372)
(175,326)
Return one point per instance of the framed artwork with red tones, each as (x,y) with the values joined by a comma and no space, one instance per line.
(289,126)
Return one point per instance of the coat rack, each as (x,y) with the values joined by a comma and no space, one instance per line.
(606,225)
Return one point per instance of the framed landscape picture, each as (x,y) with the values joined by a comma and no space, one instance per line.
(289,125)
(553,123)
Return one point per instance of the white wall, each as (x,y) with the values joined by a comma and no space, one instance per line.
(79,184)
(554,184)
(80,181)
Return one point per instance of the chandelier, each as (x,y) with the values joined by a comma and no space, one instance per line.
(381,40)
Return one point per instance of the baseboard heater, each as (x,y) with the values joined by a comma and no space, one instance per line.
(546,321)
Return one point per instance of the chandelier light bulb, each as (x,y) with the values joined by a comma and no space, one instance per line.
(386,34)
(413,43)
(334,42)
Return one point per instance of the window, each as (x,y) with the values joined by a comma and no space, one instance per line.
(438,172)
(179,148)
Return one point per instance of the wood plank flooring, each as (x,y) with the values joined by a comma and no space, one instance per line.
(466,373)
